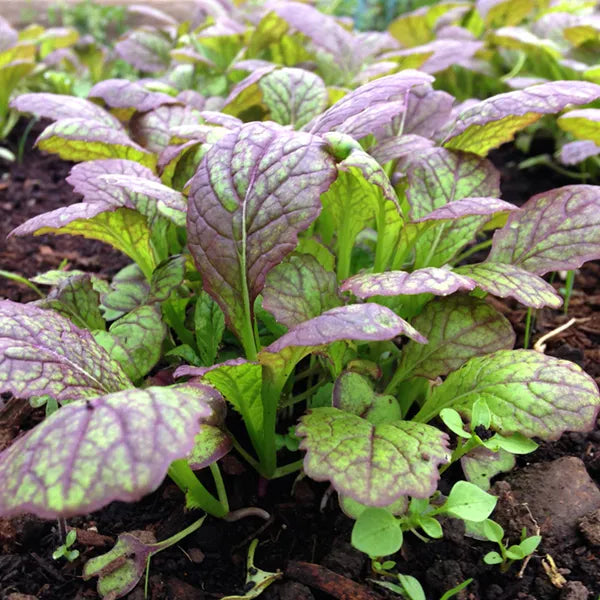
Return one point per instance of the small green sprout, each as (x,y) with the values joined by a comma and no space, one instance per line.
(508,554)
(64,551)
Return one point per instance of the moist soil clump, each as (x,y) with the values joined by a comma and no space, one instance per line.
(308,543)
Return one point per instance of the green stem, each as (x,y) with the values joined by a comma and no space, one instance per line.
(379,266)
(436,243)
(399,376)
(244,454)
(528,327)
(287,469)
(23,139)
(569,283)
(271,392)
(472,250)
(181,473)
(220,485)
(460,450)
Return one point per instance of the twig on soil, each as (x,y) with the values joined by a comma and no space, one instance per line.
(537,532)
(242,513)
(254,534)
(540,345)
(327,581)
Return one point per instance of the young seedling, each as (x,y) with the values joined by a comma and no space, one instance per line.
(508,554)
(64,550)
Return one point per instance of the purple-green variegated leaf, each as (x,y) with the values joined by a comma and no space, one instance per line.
(439,176)
(114,447)
(458,328)
(59,106)
(125,229)
(129,289)
(430,280)
(134,341)
(480,465)
(246,93)
(210,445)
(167,277)
(526,391)
(84,139)
(575,152)
(397,147)
(76,298)
(293,96)
(298,289)
(380,92)
(323,31)
(152,13)
(84,178)
(8,35)
(363,322)
(468,207)
(254,191)
(192,98)
(371,118)
(504,12)
(354,394)
(149,197)
(584,124)
(495,120)
(42,352)
(122,93)
(374,464)
(153,129)
(189,371)
(147,49)
(510,281)
(558,229)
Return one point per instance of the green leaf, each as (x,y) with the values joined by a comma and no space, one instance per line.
(411,587)
(373,464)
(493,531)
(76,298)
(135,341)
(584,124)
(377,533)
(481,464)
(505,12)
(467,501)
(458,328)
(353,509)
(83,139)
(453,422)
(529,545)
(431,527)
(209,326)
(526,392)
(493,558)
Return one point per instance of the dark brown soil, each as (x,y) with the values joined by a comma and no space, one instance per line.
(211,562)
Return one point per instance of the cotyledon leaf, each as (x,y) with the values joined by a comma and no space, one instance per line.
(558,229)
(298,289)
(373,464)
(134,341)
(84,139)
(254,191)
(458,328)
(526,391)
(61,106)
(42,352)
(113,447)
(493,121)
(510,281)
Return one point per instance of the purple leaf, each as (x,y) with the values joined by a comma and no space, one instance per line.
(431,280)
(58,106)
(397,147)
(526,391)
(83,139)
(298,289)
(211,444)
(373,464)
(510,281)
(122,93)
(189,371)
(554,230)
(254,191)
(467,207)
(84,178)
(153,129)
(192,98)
(575,152)
(439,176)
(458,328)
(8,35)
(244,94)
(495,120)
(145,48)
(363,322)
(153,13)
(371,97)
(444,53)
(42,352)
(89,453)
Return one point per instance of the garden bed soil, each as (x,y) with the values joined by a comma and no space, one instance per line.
(211,562)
